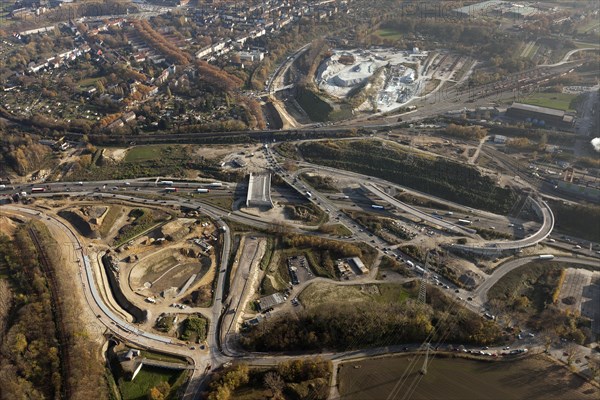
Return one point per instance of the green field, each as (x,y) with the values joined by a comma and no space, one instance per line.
(109,220)
(559,101)
(146,379)
(327,293)
(591,24)
(143,153)
(390,34)
(87,82)
(461,379)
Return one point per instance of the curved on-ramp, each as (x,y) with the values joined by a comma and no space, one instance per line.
(496,247)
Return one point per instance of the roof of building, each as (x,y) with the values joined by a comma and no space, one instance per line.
(538,109)
(359,264)
(270,301)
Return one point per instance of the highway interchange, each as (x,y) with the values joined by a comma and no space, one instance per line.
(219,340)
(219,351)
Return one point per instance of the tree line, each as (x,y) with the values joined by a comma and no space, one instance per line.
(295,379)
(30,365)
(347,326)
(160,43)
(433,175)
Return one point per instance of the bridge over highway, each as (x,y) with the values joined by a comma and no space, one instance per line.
(497,247)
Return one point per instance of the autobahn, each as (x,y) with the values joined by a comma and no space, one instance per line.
(218,354)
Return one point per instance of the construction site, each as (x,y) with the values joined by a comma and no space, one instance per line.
(392,76)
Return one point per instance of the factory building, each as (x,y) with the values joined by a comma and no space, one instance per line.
(540,116)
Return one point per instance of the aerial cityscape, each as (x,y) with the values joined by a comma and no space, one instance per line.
(299,199)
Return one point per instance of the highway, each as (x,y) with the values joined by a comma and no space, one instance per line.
(221,351)
(454,228)
(487,247)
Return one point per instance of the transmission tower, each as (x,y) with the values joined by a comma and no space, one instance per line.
(422,288)
(422,299)
(423,370)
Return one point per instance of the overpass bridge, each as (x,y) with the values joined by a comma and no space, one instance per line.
(493,248)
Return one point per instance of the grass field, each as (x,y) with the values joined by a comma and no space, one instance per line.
(109,220)
(336,229)
(225,202)
(591,24)
(320,293)
(461,379)
(559,101)
(143,153)
(162,357)
(146,379)
(390,34)
(87,82)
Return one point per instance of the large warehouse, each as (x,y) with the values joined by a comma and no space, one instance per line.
(541,116)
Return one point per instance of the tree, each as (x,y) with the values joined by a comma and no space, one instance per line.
(543,141)
(572,351)
(160,391)
(274,383)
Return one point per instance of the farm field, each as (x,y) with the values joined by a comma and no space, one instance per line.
(463,379)
(559,101)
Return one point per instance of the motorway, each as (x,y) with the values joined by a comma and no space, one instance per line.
(219,343)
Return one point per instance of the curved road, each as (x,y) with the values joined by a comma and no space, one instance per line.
(481,292)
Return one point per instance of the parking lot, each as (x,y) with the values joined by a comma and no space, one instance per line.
(580,293)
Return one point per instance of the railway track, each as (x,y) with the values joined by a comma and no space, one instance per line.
(57,313)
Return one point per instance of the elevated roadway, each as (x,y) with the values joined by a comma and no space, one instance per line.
(496,247)
(457,229)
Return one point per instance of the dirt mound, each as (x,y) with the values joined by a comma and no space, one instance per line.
(79,223)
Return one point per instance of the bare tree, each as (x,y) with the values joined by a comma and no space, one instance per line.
(547,337)
(572,351)
(274,383)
